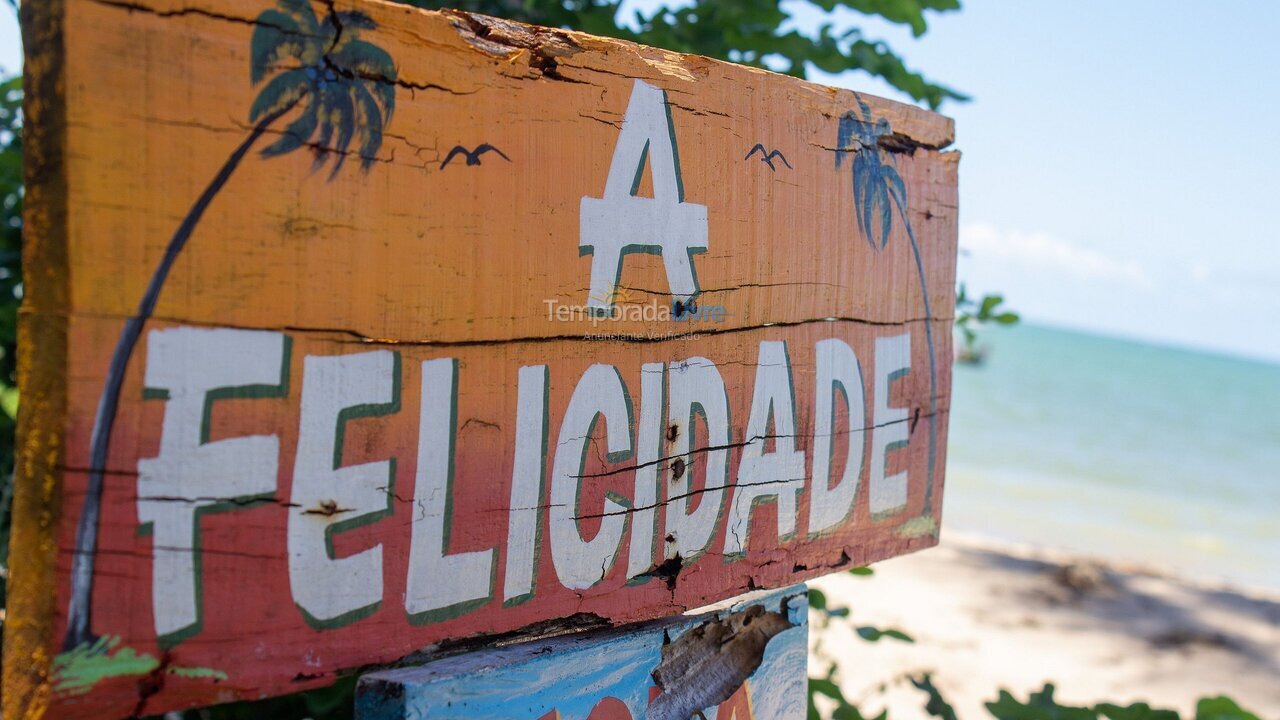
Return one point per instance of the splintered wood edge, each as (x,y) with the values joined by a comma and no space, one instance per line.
(42,348)
(533,48)
(912,125)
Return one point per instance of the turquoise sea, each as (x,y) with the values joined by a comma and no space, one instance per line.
(1124,450)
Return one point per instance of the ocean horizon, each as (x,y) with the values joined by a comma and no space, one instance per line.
(1121,449)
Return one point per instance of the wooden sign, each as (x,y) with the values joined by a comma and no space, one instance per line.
(351,328)
(745,661)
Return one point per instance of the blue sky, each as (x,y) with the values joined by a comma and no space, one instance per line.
(10,42)
(1121,166)
(1121,159)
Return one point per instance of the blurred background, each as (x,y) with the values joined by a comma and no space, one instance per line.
(1114,461)
(1113,474)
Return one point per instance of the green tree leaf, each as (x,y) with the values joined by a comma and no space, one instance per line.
(874,634)
(988,305)
(1222,708)
(937,706)
(1039,706)
(903,12)
(1136,711)
(826,687)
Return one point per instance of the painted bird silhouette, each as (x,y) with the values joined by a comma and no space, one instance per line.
(767,157)
(472,156)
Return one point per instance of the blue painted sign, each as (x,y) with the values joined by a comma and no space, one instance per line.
(647,671)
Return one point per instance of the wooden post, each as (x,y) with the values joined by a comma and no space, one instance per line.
(352,328)
(744,660)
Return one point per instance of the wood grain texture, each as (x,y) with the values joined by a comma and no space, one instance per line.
(400,345)
(42,371)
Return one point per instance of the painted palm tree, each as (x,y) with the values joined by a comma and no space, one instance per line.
(346,88)
(877,189)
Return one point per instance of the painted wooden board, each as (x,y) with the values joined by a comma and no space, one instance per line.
(408,327)
(612,674)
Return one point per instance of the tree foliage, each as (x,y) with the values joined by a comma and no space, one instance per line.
(10,295)
(974,313)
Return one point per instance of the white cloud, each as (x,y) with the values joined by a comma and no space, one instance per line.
(1041,251)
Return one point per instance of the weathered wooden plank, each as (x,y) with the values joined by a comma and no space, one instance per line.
(426,235)
(495,496)
(433,392)
(613,674)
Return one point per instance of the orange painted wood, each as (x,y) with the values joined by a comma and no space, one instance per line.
(393,315)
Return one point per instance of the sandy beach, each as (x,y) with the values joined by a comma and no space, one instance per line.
(987,616)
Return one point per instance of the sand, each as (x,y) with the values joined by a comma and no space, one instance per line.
(987,616)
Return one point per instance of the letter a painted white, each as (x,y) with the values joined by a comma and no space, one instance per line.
(582,563)
(893,360)
(192,475)
(620,222)
(440,584)
(838,371)
(778,474)
(328,496)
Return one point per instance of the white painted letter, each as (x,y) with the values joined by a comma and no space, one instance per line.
(581,563)
(620,222)
(191,368)
(327,497)
(528,480)
(696,388)
(893,360)
(838,371)
(440,585)
(778,474)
